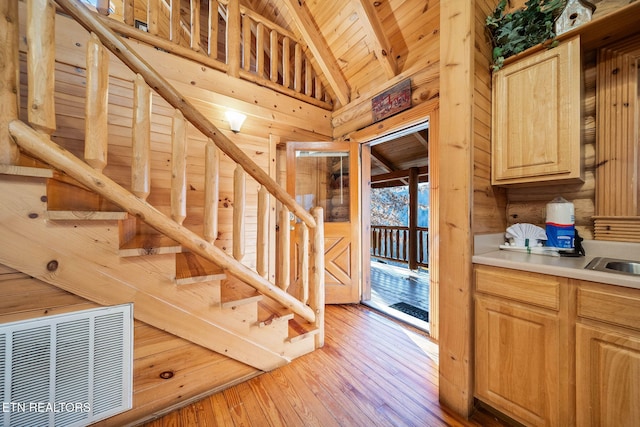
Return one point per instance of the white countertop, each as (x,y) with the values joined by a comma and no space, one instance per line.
(487,252)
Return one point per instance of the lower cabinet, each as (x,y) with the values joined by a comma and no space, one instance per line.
(608,349)
(517,360)
(520,360)
(552,351)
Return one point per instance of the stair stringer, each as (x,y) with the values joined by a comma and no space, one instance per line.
(82,258)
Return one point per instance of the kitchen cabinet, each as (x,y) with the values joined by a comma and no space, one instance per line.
(552,350)
(536,124)
(521,362)
(608,355)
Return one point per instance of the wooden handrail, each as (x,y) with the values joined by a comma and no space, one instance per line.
(41,146)
(118,47)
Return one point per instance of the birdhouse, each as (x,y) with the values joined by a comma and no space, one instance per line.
(574,14)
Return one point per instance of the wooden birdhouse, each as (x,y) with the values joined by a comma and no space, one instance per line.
(574,14)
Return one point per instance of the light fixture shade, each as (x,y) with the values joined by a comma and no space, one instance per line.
(235,120)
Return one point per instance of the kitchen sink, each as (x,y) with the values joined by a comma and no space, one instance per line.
(615,265)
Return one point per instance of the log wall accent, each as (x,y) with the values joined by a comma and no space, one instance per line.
(196,371)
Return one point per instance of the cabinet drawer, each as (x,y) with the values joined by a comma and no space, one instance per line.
(523,286)
(618,306)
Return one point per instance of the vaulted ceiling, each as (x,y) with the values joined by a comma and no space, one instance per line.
(358,45)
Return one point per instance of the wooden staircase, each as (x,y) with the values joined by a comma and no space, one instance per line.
(173,290)
(82,232)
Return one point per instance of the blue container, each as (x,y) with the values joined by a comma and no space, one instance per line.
(560,235)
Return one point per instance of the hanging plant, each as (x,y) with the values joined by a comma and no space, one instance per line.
(512,33)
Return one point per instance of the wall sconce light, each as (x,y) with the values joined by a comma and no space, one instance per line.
(235,120)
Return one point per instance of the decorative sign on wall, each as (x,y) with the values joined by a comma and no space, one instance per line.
(392,101)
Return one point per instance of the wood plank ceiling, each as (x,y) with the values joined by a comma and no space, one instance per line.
(359,45)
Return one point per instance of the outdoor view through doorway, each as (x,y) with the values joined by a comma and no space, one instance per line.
(399,224)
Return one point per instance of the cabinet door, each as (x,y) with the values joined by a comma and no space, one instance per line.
(608,369)
(517,365)
(536,118)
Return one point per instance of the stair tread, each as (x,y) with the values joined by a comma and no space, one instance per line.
(86,215)
(149,244)
(300,329)
(192,268)
(270,311)
(234,292)
(26,171)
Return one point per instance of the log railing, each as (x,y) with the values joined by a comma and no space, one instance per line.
(250,47)
(392,243)
(35,140)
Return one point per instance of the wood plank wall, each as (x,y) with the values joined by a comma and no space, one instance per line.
(194,371)
(489,202)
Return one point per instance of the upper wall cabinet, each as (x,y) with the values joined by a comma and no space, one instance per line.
(537,118)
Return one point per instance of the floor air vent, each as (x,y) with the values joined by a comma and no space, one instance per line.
(66,370)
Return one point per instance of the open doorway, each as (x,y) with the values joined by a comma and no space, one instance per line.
(396,224)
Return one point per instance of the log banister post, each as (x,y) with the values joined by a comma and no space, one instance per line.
(284,250)
(286,62)
(130,58)
(239,208)
(212,41)
(97,104)
(174,21)
(246,43)
(141,144)
(9,79)
(153,16)
(195,24)
(262,250)
(178,168)
(233,38)
(41,65)
(211,191)
(317,289)
(273,50)
(304,262)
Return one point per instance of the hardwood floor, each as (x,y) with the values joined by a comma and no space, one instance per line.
(372,371)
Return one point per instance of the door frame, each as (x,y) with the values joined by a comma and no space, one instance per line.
(427,111)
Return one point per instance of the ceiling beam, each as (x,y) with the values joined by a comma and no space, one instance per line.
(375,32)
(397,175)
(319,48)
(424,140)
(382,161)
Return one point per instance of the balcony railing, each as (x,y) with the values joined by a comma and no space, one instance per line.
(223,35)
(392,243)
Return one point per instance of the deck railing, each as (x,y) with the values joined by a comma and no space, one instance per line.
(34,138)
(226,36)
(392,243)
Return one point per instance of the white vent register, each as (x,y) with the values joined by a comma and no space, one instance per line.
(66,370)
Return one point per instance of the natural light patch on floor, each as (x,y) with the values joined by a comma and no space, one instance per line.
(429,347)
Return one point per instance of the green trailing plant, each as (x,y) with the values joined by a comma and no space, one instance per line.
(512,33)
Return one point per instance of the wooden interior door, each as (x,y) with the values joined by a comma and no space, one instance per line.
(326,174)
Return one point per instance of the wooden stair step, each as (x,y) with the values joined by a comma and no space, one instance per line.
(234,293)
(300,329)
(86,215)
(270,311)
(192,268)
(149,244)
(26,171)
